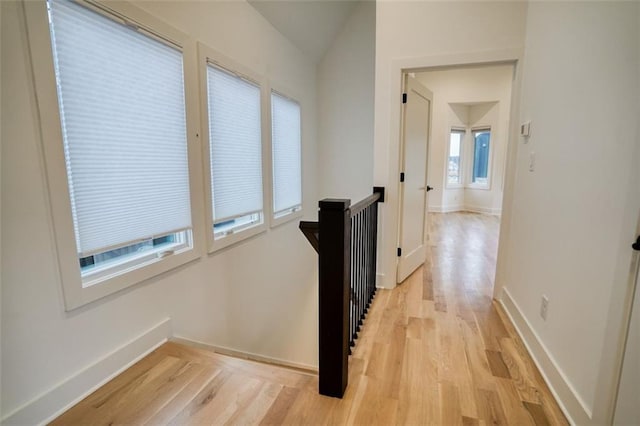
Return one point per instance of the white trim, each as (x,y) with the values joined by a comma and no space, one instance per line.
(446,209)
(223,350)
(462,208)
(380,280)
(41,64)
(570,402)
(483,210)
(55,401)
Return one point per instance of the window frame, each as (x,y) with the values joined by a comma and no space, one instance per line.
(470,183)
(290,94)
(76,292)
(206,56)
(456,185)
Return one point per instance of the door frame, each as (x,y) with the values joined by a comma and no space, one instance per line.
(400,67)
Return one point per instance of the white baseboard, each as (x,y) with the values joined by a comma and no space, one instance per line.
(462,208)
(60,398)
(484,210)
(446,209)
(570,402)
(379,280)
(304,368)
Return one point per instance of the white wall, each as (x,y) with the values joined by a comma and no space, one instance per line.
(345,109)
(470,89)
(259,296)
(572,220)
(418,34)
(1,138)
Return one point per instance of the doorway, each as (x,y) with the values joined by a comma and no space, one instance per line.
(465,154)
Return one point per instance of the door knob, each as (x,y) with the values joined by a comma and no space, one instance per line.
(636,245)
(429,188)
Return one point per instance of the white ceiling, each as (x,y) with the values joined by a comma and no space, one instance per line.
(309,24)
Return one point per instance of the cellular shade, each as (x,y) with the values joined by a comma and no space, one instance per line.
(235,145)
(287,171)
(121,98)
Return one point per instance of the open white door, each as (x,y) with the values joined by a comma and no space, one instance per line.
(416,118)
(627,408)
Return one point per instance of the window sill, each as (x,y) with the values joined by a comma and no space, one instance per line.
(484,187)
(454,186)
(235,237)
(277,221)
(76,295)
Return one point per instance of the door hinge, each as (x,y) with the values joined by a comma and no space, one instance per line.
(404,98)
(399,252)
(636,245)
(401,176)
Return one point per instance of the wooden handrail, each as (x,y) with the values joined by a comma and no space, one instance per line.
(311,230)
(345,238)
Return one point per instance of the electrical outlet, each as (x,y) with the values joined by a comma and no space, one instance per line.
(544,307)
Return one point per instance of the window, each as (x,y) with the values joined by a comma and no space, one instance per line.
(116,148)
(286,154)
(481,147)
(454,160)
(234,117)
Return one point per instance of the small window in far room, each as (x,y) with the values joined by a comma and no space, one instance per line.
(454,160)
(481,148)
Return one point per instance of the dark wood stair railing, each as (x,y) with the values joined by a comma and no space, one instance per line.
(345,238)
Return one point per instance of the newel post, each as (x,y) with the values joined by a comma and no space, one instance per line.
(334,276)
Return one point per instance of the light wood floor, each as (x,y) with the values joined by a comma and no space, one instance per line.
(435,350)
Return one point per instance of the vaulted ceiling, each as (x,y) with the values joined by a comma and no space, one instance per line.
(309,24)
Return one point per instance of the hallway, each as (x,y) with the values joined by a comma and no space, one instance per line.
(435,350)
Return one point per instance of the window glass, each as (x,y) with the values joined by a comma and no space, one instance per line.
(122,109)
(481,146)
(454,171)
(235,151)
(287,171)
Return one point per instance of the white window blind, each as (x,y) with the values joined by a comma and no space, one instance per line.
(235,145)
(287,171)
(121,98)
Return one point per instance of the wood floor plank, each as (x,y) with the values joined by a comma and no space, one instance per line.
(234,394)
(537,414)
(100,408)
(183,398)
(490,407)
(436,350)
(256,408)
(496,364)
(450,412)
(470,421)
(412,400)
(201,399)
(514,409)
(280,407)
(152,398)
